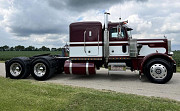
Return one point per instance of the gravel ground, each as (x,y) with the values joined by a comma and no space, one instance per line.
(127,82)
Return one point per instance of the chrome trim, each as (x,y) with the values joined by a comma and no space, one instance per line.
(106,38)
(158,71)
(40,69)
(15,69)
(133,52)
(70,67)
(98,42)
(62,57)
(106,45)
(87,70)
(150,41)
(169,46)
(85,41)
(118,42)
(106,19)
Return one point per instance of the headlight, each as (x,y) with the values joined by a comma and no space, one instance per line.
(171,53)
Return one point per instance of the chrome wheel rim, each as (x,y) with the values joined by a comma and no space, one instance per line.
(15,69)
(158,71)
(40,69)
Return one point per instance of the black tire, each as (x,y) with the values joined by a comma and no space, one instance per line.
(45,72)
(60,66)
(18,68)
(59,70)
(158,70)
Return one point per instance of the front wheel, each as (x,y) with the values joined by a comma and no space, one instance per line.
(158,71)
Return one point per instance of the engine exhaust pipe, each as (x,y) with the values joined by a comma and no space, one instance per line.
(106,19)
(106,40)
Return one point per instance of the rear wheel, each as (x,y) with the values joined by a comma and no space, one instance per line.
(41,69)
(18,68)
(158,70)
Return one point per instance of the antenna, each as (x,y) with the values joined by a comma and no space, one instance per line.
(120,12)
(165,37)
(119,21)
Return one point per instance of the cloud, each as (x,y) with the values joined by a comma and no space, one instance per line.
(171,23)
(139,24)
(32,17)
(46,22)
(84,5)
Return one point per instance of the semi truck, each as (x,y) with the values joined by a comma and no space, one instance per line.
(92,46)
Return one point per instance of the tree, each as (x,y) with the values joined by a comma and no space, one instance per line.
(12,49)
(53,49)
(30,48)
(6,48)
(19,48)
(1,49)
(36,49)
(43,48)
(59,49)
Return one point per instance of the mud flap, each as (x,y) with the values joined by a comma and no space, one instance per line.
(7,75)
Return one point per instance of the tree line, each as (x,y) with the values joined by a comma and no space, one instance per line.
(29,48)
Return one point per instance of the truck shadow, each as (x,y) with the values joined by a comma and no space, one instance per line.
(99,77)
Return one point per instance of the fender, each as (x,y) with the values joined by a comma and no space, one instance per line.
(50,60)
(156,55)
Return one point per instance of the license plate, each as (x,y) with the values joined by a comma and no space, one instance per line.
(117,68)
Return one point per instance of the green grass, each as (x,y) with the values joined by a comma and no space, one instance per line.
(176,57)
(6,55)
(178,69)
(17,95)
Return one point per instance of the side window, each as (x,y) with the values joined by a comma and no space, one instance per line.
(90,33)
(114,33)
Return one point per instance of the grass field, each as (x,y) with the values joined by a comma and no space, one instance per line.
(18,95)
(176,57)
(6,55)
(178,69)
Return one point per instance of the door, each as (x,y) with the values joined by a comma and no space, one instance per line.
(118,44)
(91,42)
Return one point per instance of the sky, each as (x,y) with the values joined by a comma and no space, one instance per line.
(46,22)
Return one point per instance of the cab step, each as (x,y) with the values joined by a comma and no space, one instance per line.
(115,68)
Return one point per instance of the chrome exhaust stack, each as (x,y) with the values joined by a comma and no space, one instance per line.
(106,39)
(106,20)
